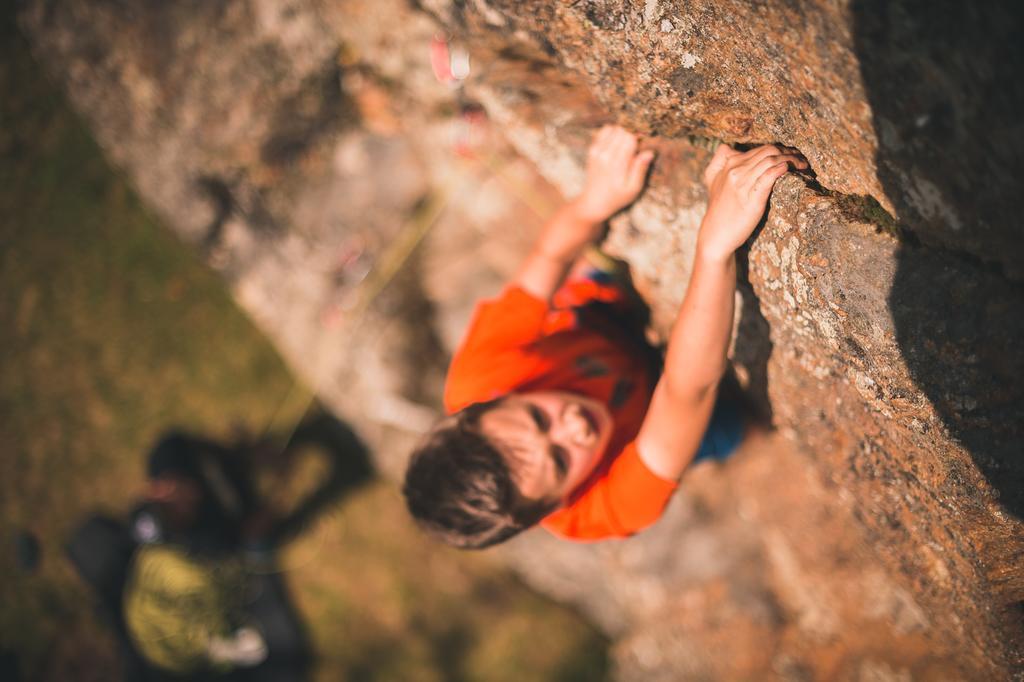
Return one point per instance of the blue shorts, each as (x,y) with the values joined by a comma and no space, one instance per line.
(724,434)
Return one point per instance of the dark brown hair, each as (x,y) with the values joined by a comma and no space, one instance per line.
(460,488)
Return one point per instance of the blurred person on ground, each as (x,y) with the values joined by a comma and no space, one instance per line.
(201,596)
(558,417)
(203,554)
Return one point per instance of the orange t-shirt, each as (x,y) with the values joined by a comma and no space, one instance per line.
(516,342)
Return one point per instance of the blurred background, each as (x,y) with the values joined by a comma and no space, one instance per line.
(113,332)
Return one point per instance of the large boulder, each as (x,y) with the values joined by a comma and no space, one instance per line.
(358,207)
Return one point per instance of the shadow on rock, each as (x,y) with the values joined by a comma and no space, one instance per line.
(753,350)
(943,83)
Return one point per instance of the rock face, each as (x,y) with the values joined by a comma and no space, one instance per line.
(358,206)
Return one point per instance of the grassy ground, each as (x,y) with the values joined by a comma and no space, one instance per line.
(112,332)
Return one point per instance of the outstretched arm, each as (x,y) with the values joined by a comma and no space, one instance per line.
(739,185)
(615,176)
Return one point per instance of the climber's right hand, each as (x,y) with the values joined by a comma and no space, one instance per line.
(739,184)
(616,171)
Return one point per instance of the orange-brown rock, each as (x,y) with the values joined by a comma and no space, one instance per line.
(877,535)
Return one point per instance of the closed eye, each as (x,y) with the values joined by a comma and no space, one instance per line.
(561,459)
(540,418)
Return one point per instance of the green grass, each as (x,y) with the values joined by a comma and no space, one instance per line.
(112,332)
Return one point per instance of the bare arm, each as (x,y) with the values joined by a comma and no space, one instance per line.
(615,176)
(739,185)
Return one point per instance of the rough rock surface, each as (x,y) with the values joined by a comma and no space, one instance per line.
(358,207)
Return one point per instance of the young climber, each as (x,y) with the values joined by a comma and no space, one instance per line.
(556,415)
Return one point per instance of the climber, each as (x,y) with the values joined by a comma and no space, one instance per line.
(556,415)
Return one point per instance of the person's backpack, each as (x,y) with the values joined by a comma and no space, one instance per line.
(101,550)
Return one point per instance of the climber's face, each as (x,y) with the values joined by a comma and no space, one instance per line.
(552,440)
